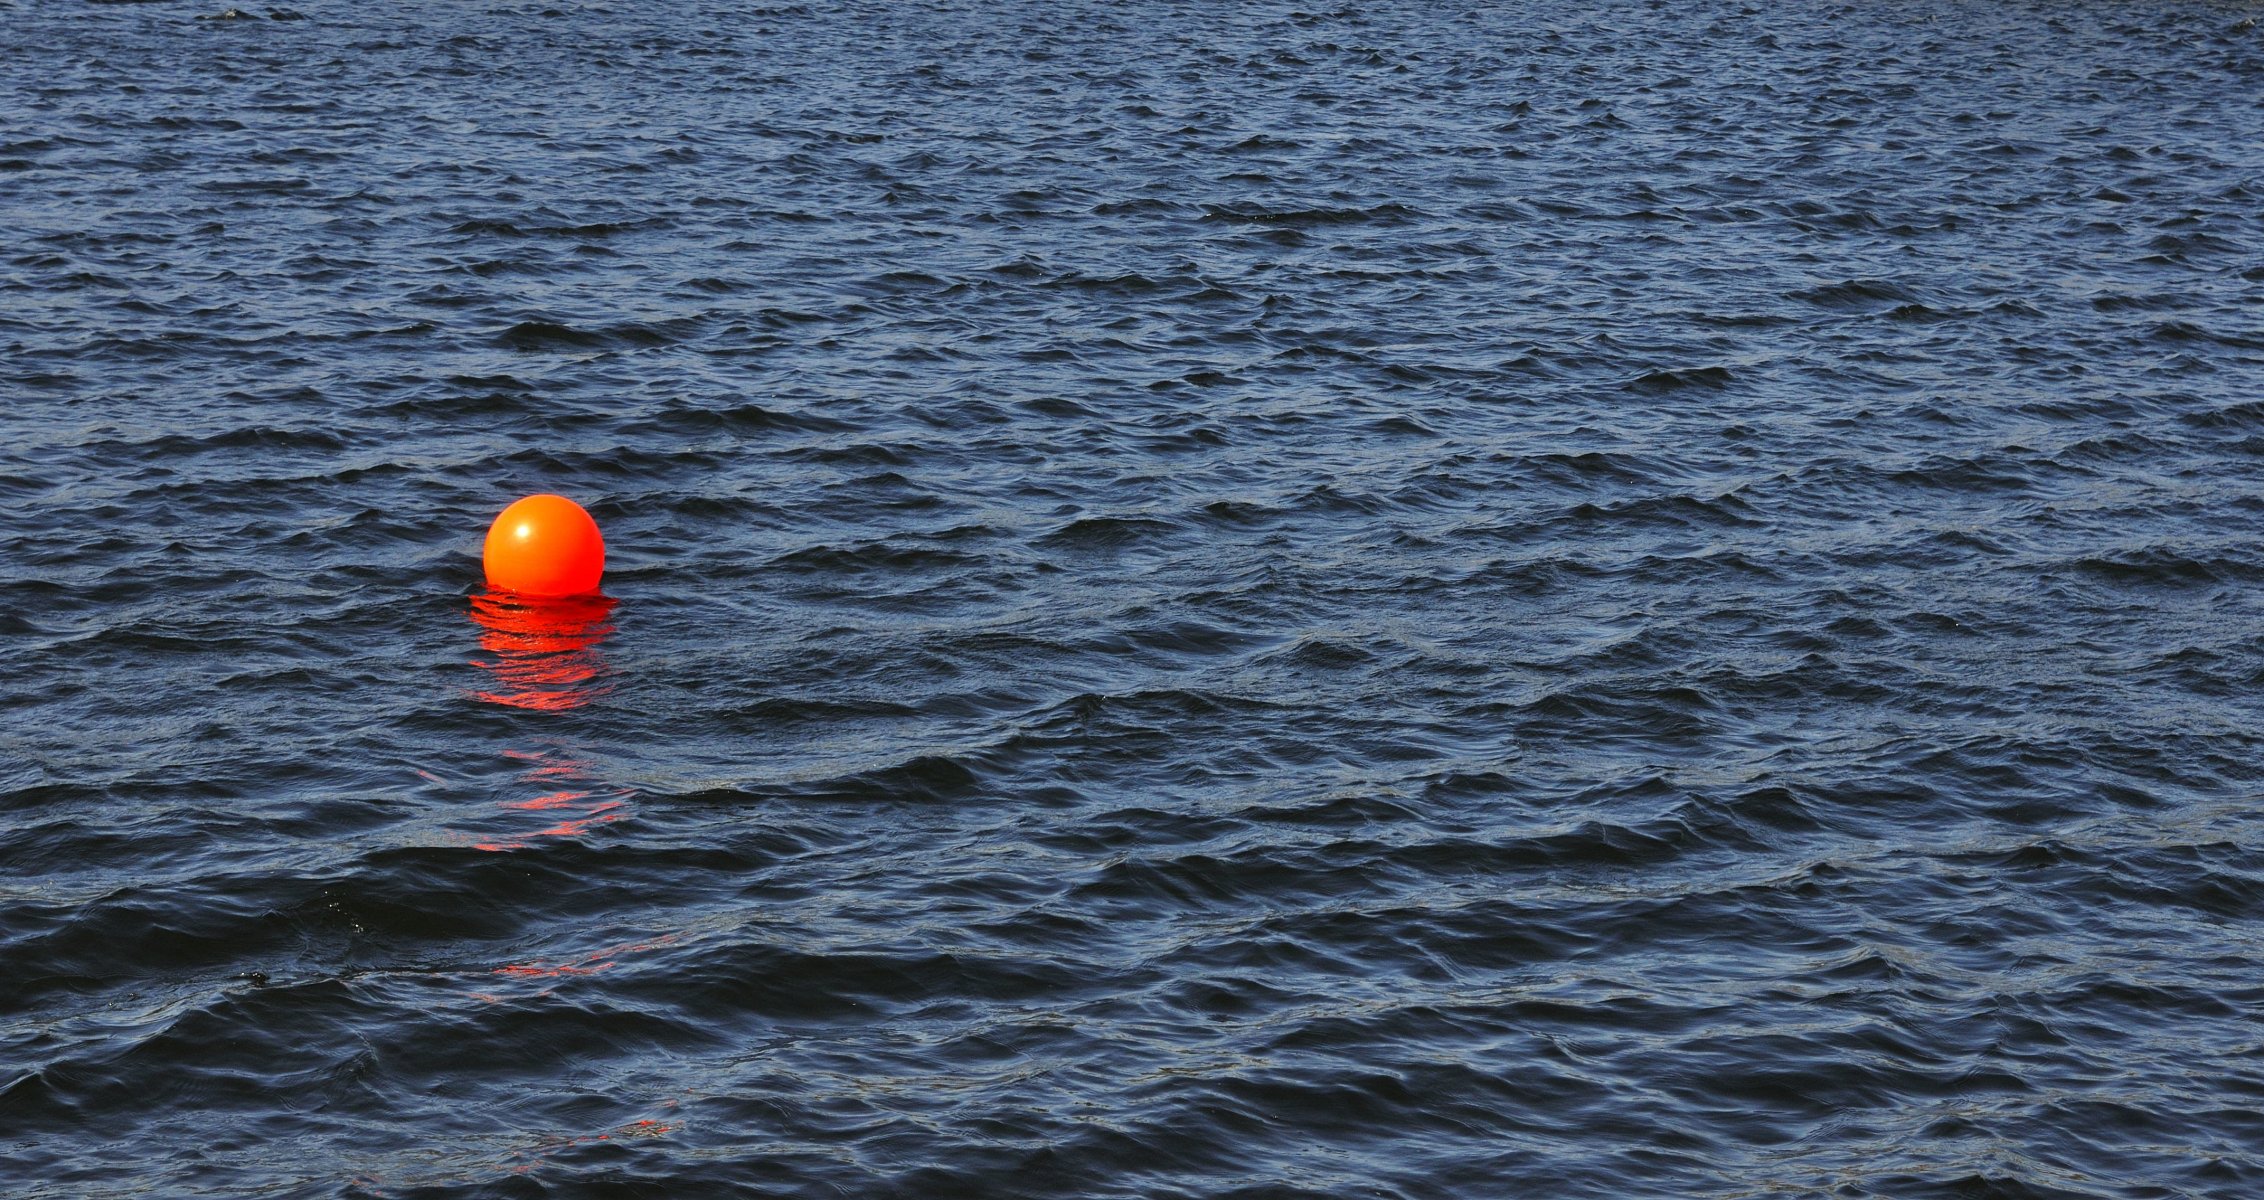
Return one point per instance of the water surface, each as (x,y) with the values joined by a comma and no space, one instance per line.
(1573,600)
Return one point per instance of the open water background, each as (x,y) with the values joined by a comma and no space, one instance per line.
(1408,600)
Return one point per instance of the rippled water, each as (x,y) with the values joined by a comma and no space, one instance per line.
(1541,599)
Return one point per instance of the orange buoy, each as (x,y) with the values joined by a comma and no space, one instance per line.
(544,546)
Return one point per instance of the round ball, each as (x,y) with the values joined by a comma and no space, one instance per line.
(544,546)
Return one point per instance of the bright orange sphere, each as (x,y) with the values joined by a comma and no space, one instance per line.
(544,546)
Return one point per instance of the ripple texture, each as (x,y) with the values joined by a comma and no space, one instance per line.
(1403,600)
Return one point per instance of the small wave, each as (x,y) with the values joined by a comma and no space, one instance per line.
(249,437)
(256,187)
(2187,331)
(539,336)
(1679,508)
(748,418)
(2164,566)
(482,226)
(1681,379)
(547,335)
(1309,218)
(1321,653)
(1586,468)
(1107,533)
(875,556)
(922,779)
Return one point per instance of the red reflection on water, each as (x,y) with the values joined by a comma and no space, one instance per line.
(545,651)
(598,814)
(573,808)
(553,800)
(588,964)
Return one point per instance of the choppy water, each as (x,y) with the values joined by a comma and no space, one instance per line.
(1421,601)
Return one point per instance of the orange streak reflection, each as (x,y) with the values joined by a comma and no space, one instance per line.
(588,964)
(544,652)
(553,800)
(573,807)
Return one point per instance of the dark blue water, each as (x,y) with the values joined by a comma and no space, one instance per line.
(1545,599)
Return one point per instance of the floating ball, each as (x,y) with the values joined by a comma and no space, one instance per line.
(544,546)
